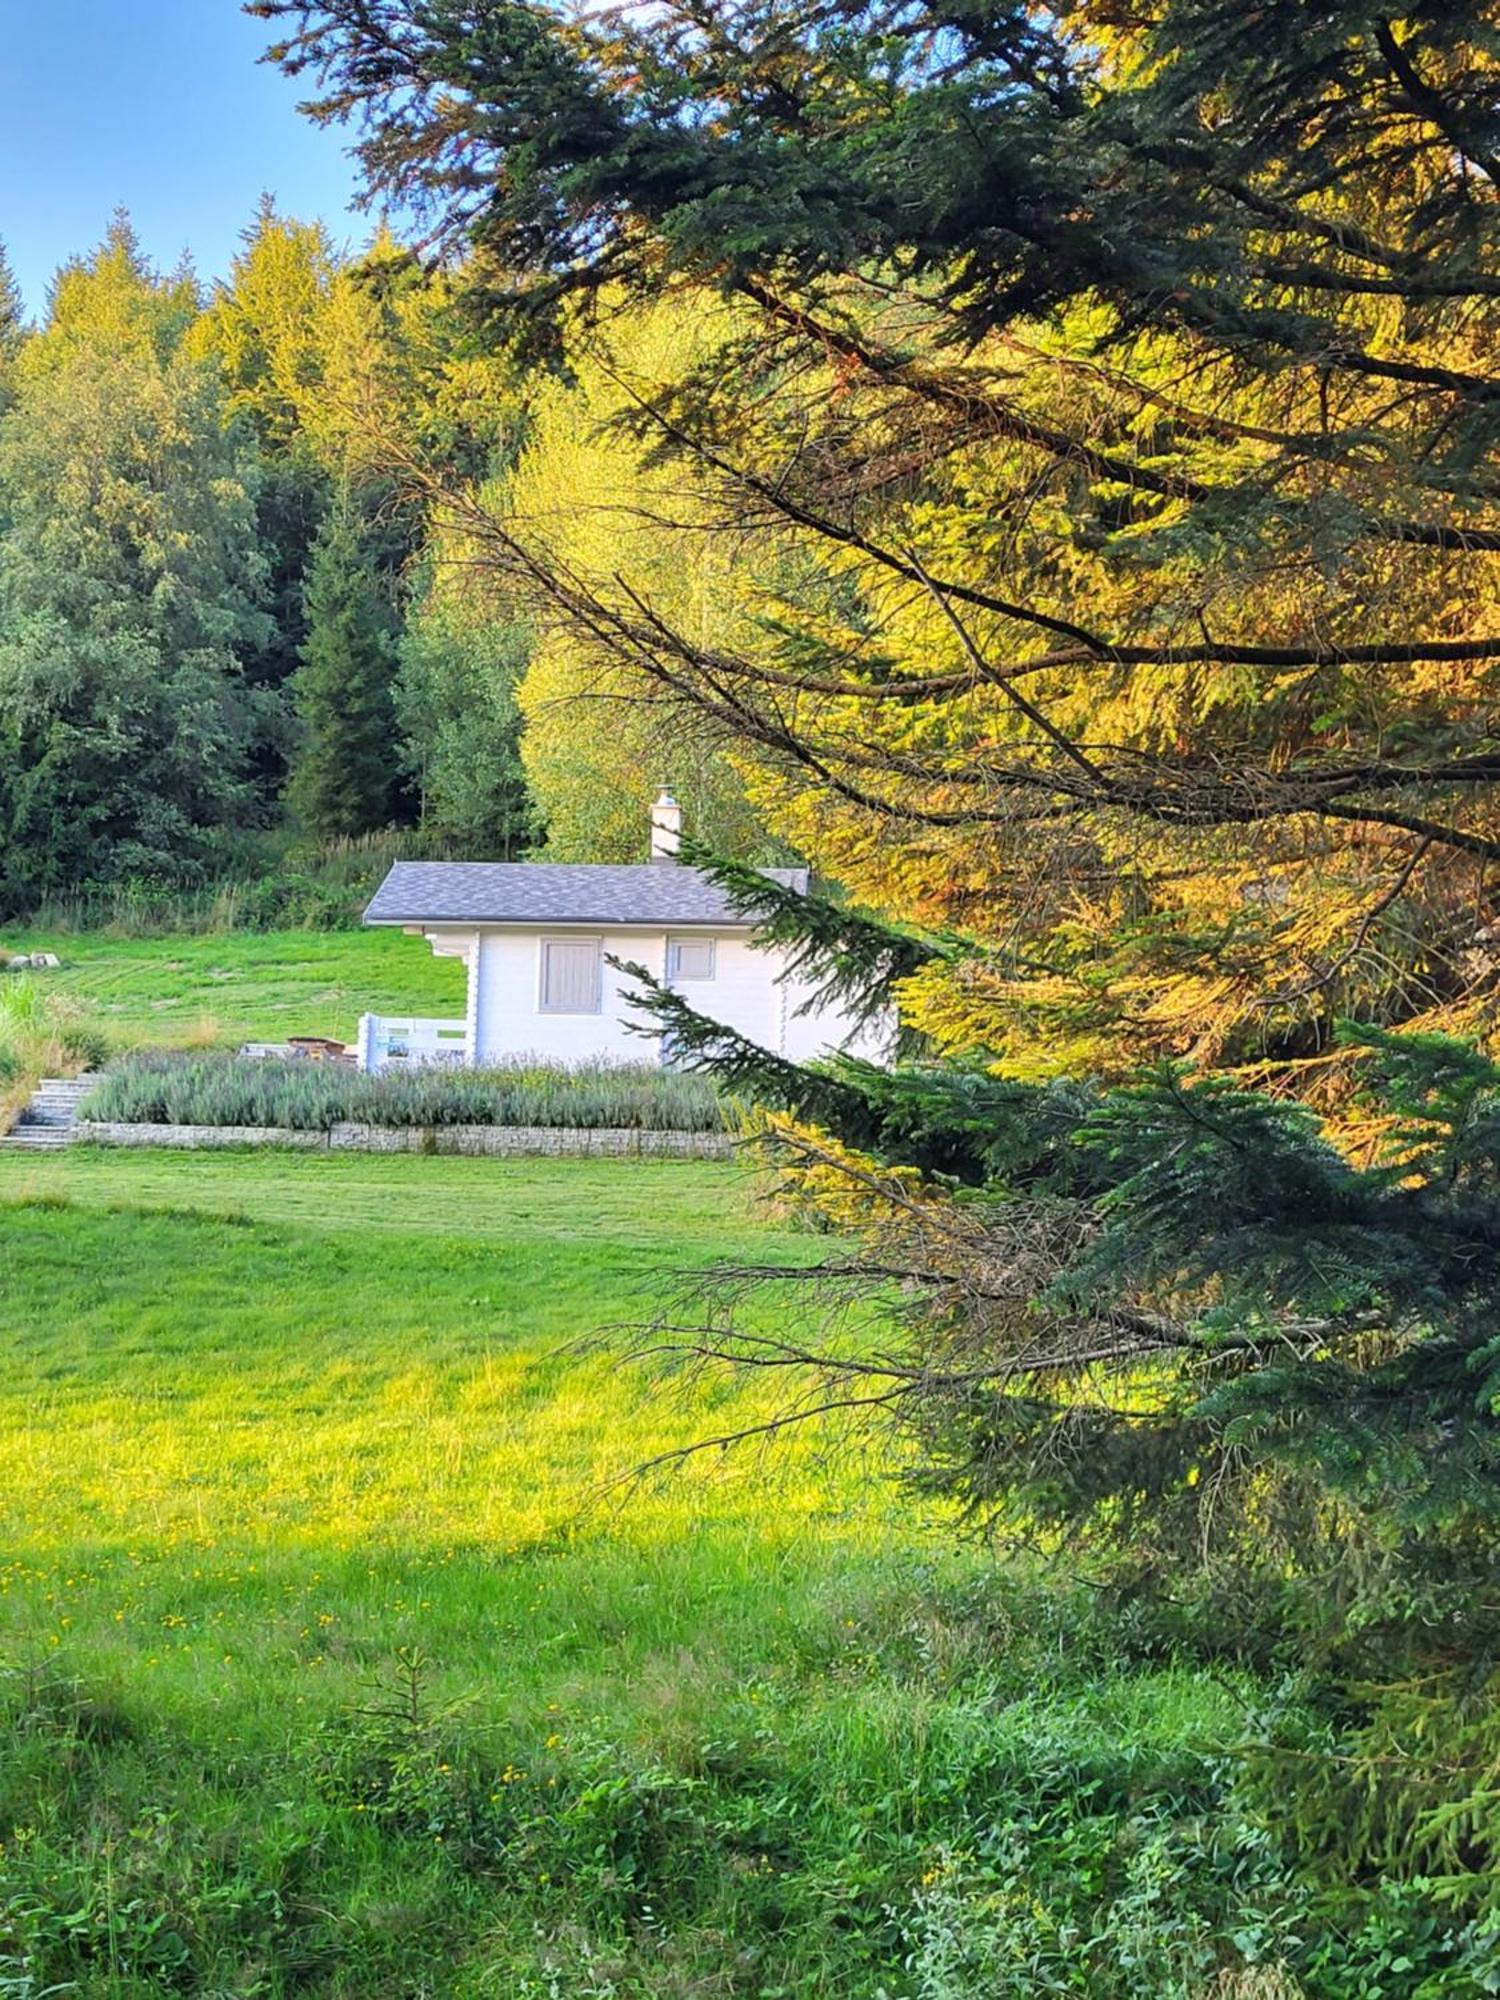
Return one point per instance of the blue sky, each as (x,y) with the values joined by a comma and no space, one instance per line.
(162,107)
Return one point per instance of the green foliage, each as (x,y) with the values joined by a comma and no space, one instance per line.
(298,895)
(741,1067)
(461,658)
(112,303)
(157,609)
(1255,1344)
(129,585)
(260,880)
(12,310)
(948,1119)
(291,503)
(344,773)
(1090,571)
(44,1031)
(600,737)
(266,327)
(12,327)
(227,1090)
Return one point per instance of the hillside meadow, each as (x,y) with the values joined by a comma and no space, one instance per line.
(235,986)
(1036,470)
(335,1662)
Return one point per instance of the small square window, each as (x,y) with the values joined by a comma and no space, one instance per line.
(690,958)
(572,976)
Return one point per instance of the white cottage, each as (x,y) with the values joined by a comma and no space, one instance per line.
(536,938)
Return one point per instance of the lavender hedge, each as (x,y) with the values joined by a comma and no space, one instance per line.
(161,1088)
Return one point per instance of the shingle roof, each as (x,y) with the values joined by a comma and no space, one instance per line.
(542,892)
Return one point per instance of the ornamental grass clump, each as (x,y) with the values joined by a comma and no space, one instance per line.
(159,1088)
(42,1033)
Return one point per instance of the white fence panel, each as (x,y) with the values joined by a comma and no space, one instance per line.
(387,1043)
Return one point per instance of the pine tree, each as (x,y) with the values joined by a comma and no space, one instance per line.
(461,654)
(344,775)
(263,326)
(597,739)
(12,329)
(12,310)
(113,301)
(263,331)
(1172,1319)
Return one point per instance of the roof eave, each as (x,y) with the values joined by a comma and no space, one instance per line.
(471,922)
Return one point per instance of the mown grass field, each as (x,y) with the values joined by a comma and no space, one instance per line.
(239,986)
(331,1667)
(336,1661)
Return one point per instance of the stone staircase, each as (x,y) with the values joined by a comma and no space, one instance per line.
(48,1120)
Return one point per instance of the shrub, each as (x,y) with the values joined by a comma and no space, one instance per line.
(155,1088)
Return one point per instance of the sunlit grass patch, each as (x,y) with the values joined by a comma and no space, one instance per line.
(335,1661)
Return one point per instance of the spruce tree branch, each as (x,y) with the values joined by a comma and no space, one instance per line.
(1004,420)
(709,685)
(1313,277)
(1430,103)
(1347,237)
(775,496)
(1091,651)
(768,1428)
(1429,830)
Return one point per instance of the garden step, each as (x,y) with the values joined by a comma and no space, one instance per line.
(49,1118)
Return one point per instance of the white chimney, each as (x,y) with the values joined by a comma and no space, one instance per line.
(666,828)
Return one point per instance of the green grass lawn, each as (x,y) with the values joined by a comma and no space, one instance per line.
(242,985)
(333,1664)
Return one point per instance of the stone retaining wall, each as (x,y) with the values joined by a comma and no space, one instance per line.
(491,1140)
(197,1138)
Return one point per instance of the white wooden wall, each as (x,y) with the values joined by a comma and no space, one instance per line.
(745,994)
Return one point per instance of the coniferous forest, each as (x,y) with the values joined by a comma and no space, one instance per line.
(1040,468)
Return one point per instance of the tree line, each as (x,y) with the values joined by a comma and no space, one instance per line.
(233,611)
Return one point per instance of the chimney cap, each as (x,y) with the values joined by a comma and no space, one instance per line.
(666,827)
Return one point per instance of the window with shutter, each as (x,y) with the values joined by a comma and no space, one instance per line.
(690,958)
(572,975)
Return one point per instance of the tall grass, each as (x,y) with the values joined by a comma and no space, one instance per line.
(42,1033)
(260,885)
(162,1088)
